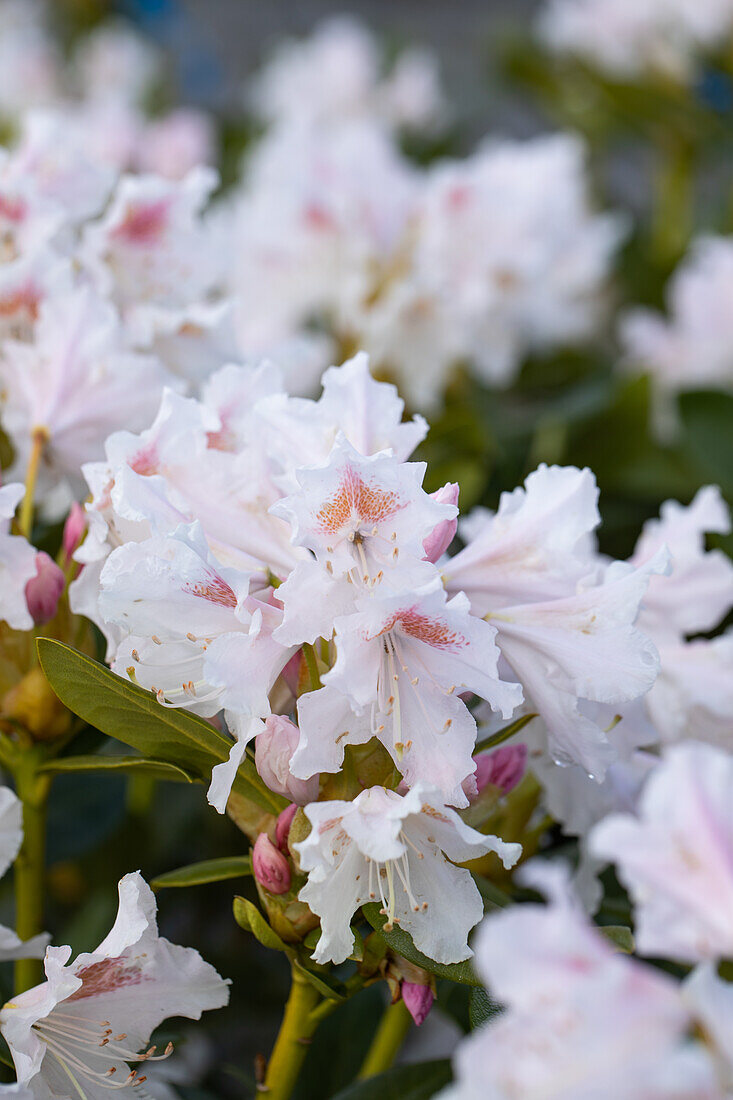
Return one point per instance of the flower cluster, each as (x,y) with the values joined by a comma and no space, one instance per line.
(344,243)
(629,40)
(277,560)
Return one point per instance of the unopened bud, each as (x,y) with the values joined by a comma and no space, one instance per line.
(74,528)
(43,591)
(418,1000)
(502,768)
(442,535)
(274,749)
(282,826)
(270,867)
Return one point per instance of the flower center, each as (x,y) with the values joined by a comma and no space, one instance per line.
(387,877)
(88,1051)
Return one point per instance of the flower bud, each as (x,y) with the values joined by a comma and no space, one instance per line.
(418,1000)
(282,826)
(74,528)
(274,749)
(443,533)
(271,869)
(42,592)
(502,768)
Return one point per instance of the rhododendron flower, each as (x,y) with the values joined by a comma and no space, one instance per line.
(151,252)
(337,72)
(77,1032)
(195,637)
(17,563)
(362,513)
(692,348)
(505,255)
(401,850)
(581,1020)
(401,662)
(698,593)
(676,856)
(583,648)
(76,382)
(536,547)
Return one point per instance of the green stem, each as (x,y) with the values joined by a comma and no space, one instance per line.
(25,519)
(30,874)
(672,213)
(388,1040)
(291,1046)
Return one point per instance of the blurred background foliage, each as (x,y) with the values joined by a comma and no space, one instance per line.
(660,151)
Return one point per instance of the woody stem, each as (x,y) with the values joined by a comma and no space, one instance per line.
(291,1046)
(30,872)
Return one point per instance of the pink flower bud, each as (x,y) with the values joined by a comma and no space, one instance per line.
(74,528)
(503,768)
(282,826)
(418,1000)
(271,869)
(274,749)
(42,592)
(442,535)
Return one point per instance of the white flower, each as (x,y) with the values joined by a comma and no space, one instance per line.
(579,650)
(115,62)
(676,857)
(75,383)
(17,563)
(298,432)
(152,253)
(318,221)
(193,635)
(698,593)
(630,40)
(402,850)
(691,349)
(75,1034)
(337,72)
(692,698)
(581,1020)
(505,256)
(402,660)
(536,547)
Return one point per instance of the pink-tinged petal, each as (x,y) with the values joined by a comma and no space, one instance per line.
(418,1000)
(676,856)
(43,592)
(537,545)
(442,535)
(270,867)
(274,749)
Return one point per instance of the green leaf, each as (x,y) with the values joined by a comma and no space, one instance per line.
(134,716)
(401,942)
(504,734)
(209,870)
(481,1008)
(251,920)
(416,1082)
(621,937)
(137,765)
